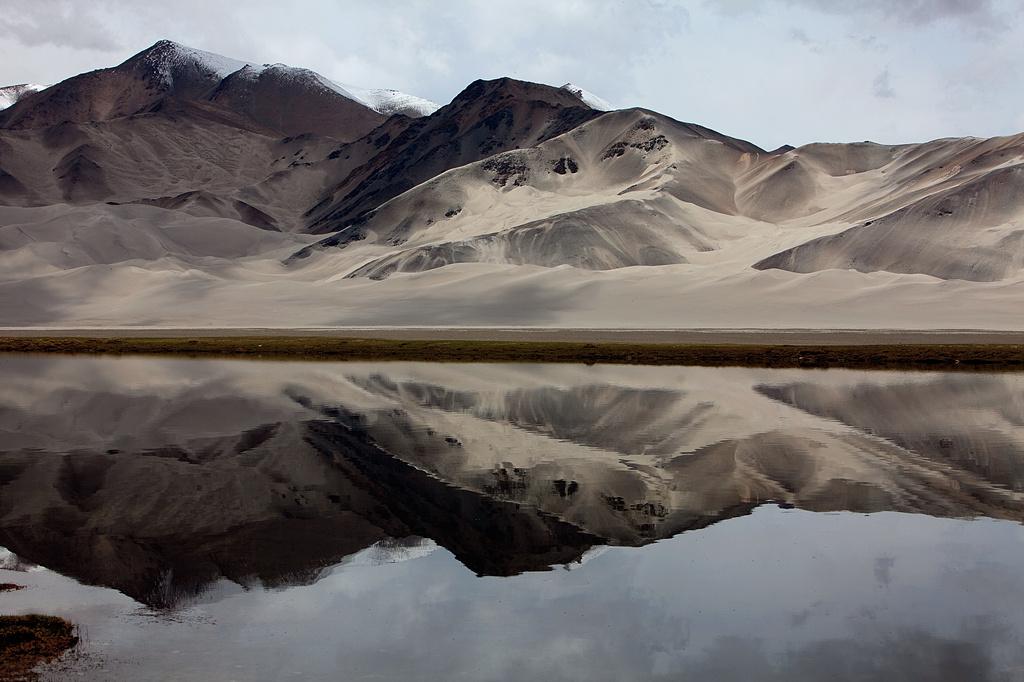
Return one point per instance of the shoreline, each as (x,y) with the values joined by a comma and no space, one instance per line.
(766,337)
(930,350)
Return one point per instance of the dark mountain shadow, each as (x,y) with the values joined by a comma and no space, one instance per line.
(30,302)
(272,507)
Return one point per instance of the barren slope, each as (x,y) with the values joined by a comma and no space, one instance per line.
(625,189)
(969,225)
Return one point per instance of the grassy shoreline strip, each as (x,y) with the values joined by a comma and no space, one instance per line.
(881,356)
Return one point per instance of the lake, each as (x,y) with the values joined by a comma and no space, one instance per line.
(247,520)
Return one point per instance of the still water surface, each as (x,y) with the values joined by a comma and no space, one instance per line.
(235,520)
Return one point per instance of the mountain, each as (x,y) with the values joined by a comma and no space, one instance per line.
(180,128)
(286,100)
(284,199)
(607,164)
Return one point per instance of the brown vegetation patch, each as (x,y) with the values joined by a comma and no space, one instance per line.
(26,641)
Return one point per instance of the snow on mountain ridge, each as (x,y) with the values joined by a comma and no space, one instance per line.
(381,100)
(166,55)
(12,93)
(589,98)
(389,102)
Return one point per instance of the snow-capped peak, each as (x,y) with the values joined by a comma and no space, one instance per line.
(165,56)
(589,98)
(12,93)
(382,101)
(389,102)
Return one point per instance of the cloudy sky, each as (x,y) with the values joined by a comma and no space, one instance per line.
(771,71)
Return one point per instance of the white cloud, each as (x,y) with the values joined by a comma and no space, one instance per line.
(973,16)
(881,87)
(60,23)
(772,71)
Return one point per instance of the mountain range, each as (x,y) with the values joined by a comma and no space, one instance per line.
(182,188)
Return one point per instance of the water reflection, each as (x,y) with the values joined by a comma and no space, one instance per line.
(182,482)
(973,422)
(159,477)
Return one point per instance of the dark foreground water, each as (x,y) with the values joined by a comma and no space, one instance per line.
(223,520)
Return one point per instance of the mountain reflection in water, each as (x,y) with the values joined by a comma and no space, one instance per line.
(159,477)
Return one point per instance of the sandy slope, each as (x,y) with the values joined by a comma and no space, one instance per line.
(128,295)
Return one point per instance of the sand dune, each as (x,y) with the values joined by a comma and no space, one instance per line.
(612,193)
(973,231)
(598,238)
(64,238)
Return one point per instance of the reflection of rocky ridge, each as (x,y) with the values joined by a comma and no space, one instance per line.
(272,506)
(160,525)
(969,422)
(194,471)
(626,420)
(669,464)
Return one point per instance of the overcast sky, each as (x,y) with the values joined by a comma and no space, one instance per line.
(770,71)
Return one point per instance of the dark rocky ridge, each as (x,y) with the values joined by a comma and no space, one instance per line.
(294,101)
(485,119)
(287,101)
(286,518)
